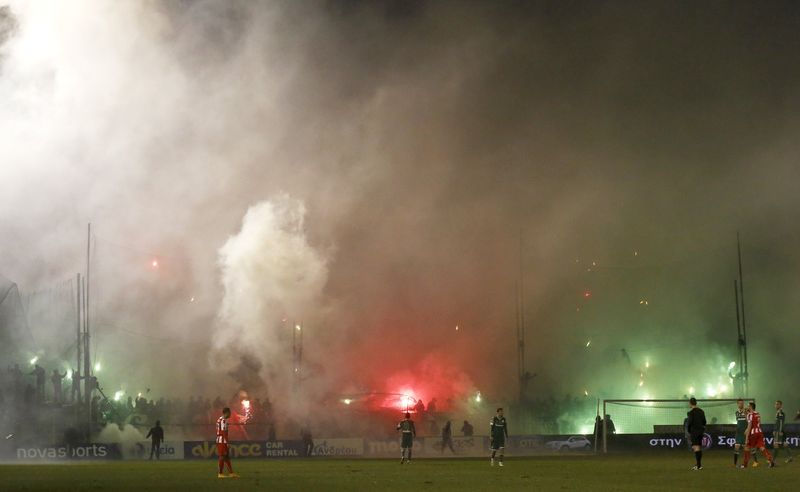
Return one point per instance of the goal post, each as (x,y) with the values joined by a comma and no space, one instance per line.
(647,416)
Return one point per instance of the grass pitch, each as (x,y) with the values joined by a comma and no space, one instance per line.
(581,473)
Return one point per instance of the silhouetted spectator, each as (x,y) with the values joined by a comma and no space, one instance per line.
(156,434)
(447,437)
(610,429)
(17,379)
(419,407)
(90,386)
(40,374)
(271,435)
(76,386)
(432,406)
(467,429)
(95,408)
(56,379)
(308,441)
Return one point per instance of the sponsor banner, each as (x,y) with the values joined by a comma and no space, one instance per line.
(338,447)
(464,446)
(193,450)
(524,444)
(539,443)
(169,450)
(97,451)
(284,449)
(385,447)
(624,442)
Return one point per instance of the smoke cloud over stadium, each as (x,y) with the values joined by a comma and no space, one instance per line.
(381,173)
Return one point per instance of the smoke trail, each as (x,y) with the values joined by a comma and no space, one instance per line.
(270,273)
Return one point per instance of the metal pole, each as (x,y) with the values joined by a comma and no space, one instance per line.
(88,383)
(78,345)
(596,430)
(739,339)
(605,439)
(745,369)
(523,376)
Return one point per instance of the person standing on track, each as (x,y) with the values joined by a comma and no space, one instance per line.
(755,437)
(696,425)
(779,436)
(447,437)
(222,444)
(156,434)
(498,430)
(409,432)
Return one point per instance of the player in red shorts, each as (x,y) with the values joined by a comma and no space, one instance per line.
(755,436)
(222,444)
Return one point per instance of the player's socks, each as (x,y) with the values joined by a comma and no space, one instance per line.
(768,455)
(409,455)
(221,465)
(698,457)
(735,457)
(746,458)
(775,452)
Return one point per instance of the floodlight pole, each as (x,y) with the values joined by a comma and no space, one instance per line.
(522,373)
(744,370)
(78,343)
(87,369)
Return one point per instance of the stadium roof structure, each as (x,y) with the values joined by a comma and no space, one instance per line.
(15,334)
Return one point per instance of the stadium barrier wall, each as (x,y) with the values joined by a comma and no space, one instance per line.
(338,447)
(464,446)
(711,441)
(428,447)
(169,450)
(193,450)
(81,452)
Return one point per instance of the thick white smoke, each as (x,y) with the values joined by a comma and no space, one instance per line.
(272,280)
(427,139)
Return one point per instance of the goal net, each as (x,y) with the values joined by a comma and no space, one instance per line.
(660,416)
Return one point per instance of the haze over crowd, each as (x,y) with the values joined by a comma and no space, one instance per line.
(369,169)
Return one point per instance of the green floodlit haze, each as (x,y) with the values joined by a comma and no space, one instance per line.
(368,167)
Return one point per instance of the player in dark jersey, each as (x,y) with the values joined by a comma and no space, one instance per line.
(409,432)
(696,425)
(498,430)
(741,426)
(778,435)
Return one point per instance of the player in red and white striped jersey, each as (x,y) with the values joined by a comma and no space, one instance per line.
(222,444)
(755,436)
